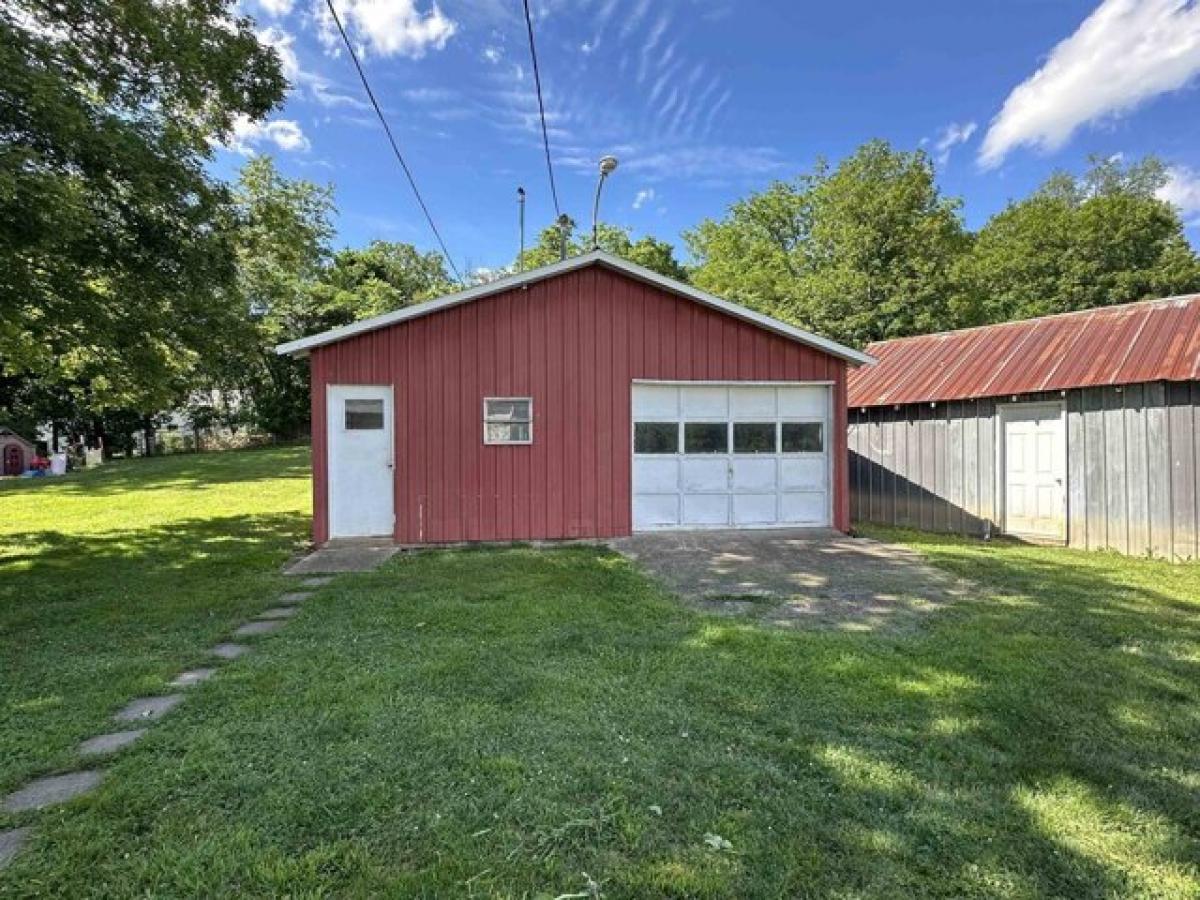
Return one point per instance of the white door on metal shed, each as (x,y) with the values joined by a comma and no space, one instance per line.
(1034,466)
(726,455)
(360,460)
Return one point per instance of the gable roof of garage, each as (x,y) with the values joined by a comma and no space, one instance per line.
(1152,340)
(595,258)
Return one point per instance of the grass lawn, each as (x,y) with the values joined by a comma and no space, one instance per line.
(498,723)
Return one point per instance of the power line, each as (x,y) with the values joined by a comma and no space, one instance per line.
(537,82)
(391,139)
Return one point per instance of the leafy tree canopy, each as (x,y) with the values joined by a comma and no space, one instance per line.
(1078,242)
(382,276)
(646,251)
(116,254)
(292,285)
(860,251)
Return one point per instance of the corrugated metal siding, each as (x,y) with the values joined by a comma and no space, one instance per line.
(575,344)
(1133,460)
(1139,342)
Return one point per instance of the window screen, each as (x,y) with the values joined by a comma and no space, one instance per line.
(508,420)
(364,415)
(655,437)
(705,437)
(802,437)
(753,437)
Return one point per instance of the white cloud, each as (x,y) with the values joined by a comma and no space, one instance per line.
(387,27)
(699,161)
(648,55)
(643,197)
(429,95)
(1124,53)
(634,17)
(248,135)
(1182,190)
(951,136)
(283,45)
(318,87)
(492,54)
(276,8)
(588,47)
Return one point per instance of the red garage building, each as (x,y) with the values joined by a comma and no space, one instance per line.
(586,399)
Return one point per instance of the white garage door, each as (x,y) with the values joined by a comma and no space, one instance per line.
(720,456)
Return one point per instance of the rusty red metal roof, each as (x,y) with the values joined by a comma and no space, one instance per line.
(1154,340)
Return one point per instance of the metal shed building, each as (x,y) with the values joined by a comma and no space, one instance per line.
(585,399)
(1081,428)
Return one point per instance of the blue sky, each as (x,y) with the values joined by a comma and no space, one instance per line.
(704,101)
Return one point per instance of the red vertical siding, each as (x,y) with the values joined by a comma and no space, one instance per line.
(575,344)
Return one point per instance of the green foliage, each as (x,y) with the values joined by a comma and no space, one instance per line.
(116,254)
(648,251)
(380,277)
(282,246)
(293,285)
(1077,243)
(859,252)
(871,250)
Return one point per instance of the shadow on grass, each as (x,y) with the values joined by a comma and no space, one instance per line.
(1042,740)
(87,621)
(1039,741)
(497,722)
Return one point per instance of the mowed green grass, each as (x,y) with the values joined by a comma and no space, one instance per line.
(112,579)
(501,722)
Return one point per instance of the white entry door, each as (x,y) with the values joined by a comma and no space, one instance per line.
(1035,470)
(360,460)
(730,455)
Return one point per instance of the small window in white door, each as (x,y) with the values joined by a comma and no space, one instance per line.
(364,415)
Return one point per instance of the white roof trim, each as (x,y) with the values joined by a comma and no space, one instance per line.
(303,345)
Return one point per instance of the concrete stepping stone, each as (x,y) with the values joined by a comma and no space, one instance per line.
(295,597)
(193,676)
(11,842)
(229,651)
(278,612)
(149,709)
(252,629)
(317,581)
(52,790)
(111,742)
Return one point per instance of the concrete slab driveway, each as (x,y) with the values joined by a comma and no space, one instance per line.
(796,578)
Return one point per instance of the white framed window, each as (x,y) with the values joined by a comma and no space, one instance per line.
(363,415)
(508,420)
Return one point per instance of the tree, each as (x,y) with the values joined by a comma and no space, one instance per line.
(1079,242)
(380,277)
(647,251)
(116,253)
(863,251)
(282,249)
(293,285)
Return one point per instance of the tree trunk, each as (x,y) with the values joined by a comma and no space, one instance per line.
(101,439)
(148,434)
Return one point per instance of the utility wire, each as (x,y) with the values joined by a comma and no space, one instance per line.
(392,140)
(537,82)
